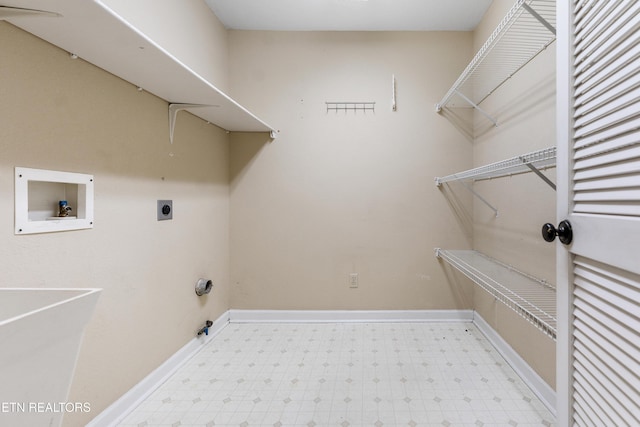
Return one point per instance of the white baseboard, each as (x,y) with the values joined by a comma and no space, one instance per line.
(119,409)
(540,388)
(324,316)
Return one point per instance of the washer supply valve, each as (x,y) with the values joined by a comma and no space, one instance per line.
(205,330)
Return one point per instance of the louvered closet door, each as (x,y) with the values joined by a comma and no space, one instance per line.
(599,138)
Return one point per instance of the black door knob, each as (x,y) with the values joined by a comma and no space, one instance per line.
(564,232)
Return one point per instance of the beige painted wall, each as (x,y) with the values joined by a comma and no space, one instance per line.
(345,192)
(187,29)
(63,114)
(342,193)
(525,109)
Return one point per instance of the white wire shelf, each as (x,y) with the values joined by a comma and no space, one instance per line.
(526,30)
(532,298)
(540,160)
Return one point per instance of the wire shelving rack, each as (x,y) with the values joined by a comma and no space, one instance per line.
(532,298)
(526,30)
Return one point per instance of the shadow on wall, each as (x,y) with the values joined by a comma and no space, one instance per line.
(245,147)
(461,119)
(539,97)
(460,208)
(461,287)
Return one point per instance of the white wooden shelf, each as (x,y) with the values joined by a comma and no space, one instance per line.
(532,298)
(526,30)
(90,30)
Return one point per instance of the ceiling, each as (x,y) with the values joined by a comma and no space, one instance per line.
(350,15)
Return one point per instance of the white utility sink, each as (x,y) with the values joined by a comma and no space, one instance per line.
(40,334)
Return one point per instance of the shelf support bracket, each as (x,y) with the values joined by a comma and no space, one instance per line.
(537,172)
(474,105)
(7,12)
(482,199)
(536,15)
(173,114)
(474,192)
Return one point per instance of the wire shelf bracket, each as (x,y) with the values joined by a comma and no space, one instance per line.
(477,107)
(532,298)
(540,18)
(530,162)
(526,30)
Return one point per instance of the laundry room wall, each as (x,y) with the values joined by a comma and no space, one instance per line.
(65,114)
(346,192)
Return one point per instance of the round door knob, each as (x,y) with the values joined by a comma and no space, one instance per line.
(564,232)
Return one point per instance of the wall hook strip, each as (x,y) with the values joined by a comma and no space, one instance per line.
(350,106)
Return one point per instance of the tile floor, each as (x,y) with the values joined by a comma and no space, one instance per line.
(345,375)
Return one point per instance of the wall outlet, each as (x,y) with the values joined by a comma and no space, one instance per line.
(353,280)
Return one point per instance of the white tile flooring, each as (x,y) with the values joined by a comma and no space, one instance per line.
(345,375)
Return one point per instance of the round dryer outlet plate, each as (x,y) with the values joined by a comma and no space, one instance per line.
(165,209)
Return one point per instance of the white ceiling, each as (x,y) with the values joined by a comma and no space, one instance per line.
(350,15)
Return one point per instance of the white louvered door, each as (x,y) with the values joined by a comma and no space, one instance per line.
(599,193)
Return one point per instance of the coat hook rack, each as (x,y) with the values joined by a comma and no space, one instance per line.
(350,106)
